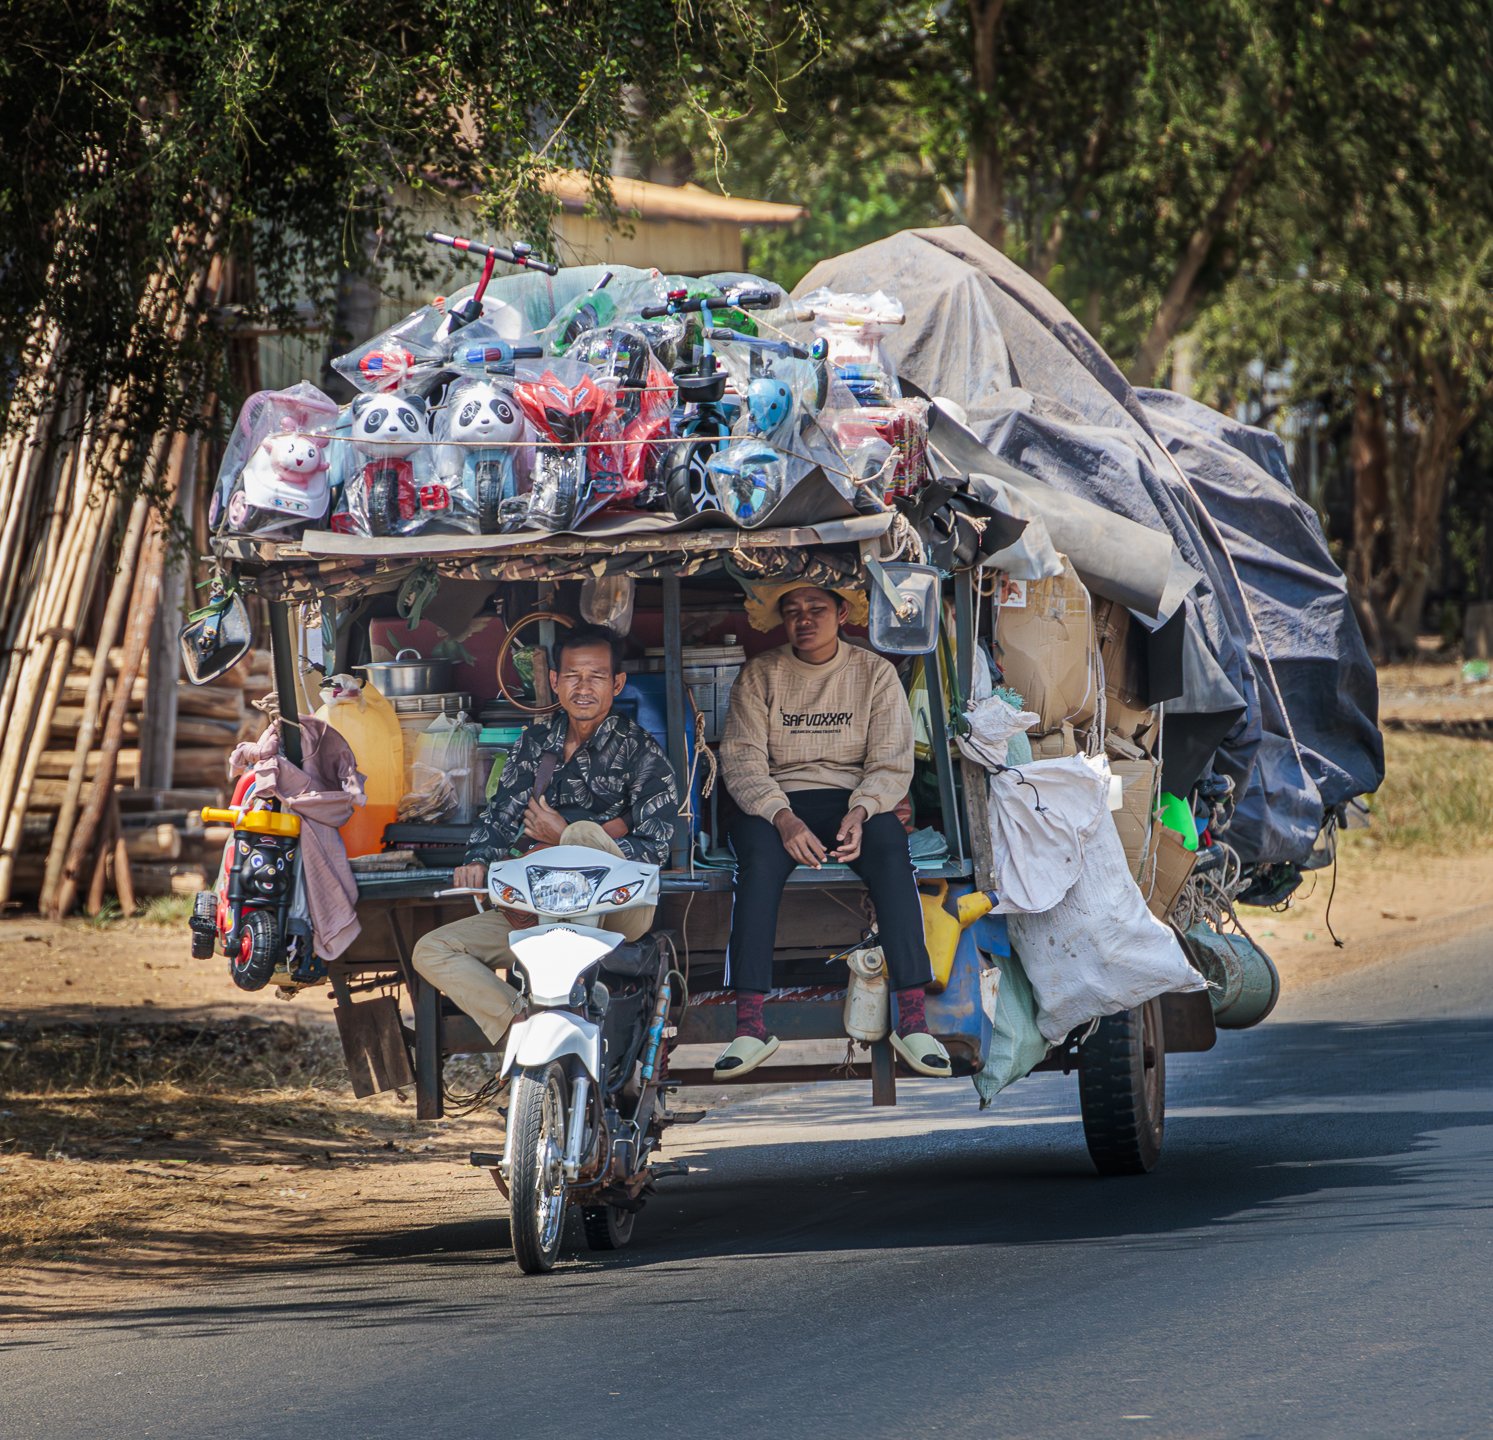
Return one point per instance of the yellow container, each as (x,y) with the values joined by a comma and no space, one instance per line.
(369,725)
(945,918)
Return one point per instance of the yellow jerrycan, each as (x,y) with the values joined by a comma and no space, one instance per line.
(945,917)
(361,715)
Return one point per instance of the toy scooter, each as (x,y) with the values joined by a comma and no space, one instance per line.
(249,913)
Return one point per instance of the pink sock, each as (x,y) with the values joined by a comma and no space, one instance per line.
(910,1017)
(749,1019)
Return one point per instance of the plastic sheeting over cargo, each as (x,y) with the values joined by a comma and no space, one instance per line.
(1250,586)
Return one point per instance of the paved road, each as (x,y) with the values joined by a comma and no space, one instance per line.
(1314,1258)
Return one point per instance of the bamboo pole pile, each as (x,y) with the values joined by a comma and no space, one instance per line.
(67,524)
(169,850)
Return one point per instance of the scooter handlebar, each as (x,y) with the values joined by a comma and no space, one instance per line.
(520,255)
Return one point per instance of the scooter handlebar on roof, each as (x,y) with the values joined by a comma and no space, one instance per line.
(520,255)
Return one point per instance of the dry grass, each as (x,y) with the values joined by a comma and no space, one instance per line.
(1437,794)
(169,1134)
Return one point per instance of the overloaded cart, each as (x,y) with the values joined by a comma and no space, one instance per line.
(1066,581)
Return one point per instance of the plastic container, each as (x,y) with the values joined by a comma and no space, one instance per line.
(709,673)
(371,728)
(417,711)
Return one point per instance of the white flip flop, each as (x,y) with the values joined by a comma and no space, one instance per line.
(922,1052)
(744,1054)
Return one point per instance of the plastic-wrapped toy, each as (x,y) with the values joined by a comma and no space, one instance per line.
(853,326)
(645,402)
(886,445)
(574,414)
(274,470)
(485,428)
(392,490)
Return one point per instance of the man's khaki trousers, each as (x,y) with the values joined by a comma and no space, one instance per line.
(459,959)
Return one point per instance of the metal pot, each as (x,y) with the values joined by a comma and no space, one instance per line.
(409,677)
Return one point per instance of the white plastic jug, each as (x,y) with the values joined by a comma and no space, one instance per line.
(868,1001)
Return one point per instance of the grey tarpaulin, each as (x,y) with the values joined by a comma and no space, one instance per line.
(1299,599)
(1064,424)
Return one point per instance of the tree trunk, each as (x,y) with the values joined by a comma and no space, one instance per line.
(1368,557)
(1180,297)
(984,166)
(1442,426)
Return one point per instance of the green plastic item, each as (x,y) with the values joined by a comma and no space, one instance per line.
(1173,812)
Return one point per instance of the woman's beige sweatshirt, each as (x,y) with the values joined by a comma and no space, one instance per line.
(843,725)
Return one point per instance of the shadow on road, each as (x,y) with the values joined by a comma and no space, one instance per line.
(1295,1125)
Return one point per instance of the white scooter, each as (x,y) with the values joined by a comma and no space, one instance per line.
(586,1059)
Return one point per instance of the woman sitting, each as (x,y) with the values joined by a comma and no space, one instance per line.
(817,752)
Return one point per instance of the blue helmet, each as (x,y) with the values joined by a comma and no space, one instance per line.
(769,403)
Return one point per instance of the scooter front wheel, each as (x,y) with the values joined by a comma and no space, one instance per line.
(537,1111)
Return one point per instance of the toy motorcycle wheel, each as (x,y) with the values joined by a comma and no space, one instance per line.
(685,481)
(260,951)
(383,505)
(204,925)
(489,504)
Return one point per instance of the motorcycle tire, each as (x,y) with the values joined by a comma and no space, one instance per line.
(538,1109)
(260,951)
(383,505)
(489,504)
(608,1227)
(686,484)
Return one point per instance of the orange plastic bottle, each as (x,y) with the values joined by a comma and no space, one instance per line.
(370,726)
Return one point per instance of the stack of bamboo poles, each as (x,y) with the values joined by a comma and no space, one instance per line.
(64,527)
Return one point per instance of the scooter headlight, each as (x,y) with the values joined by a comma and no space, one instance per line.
(563,892)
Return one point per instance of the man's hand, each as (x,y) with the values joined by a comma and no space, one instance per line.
(469,877)
(848,835)
(542,822)
(798,840)
(617,828)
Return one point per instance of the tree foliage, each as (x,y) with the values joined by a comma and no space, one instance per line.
(139,138)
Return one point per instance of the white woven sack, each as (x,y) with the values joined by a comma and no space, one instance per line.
(1040,853)
(1099,950)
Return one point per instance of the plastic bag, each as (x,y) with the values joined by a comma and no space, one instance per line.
(444,783)
(484,454)
(275,470)
(608,600)
(1017,1045)
(853,326)
(390,485)
(577,458)
(645,406)
(1099,950)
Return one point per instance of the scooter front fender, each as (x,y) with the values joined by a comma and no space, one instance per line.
(552,1035)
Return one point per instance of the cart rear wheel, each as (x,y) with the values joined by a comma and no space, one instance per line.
(537,1113)
(608,1227)
(259,951)
(1122,1091)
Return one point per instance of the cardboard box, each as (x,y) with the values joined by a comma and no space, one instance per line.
(1170,864)
(1047,651)
(1133,818)
(1062,742)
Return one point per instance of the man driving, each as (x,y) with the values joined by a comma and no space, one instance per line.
(581,776)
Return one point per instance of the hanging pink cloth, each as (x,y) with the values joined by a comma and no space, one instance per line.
(323,790)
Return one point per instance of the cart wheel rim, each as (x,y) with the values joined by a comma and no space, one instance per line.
(1151,1068)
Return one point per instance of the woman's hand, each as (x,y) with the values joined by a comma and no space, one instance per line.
(848,835)
(798,840)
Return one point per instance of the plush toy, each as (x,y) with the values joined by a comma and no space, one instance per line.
(483,419)
(283,484)
(390,431)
